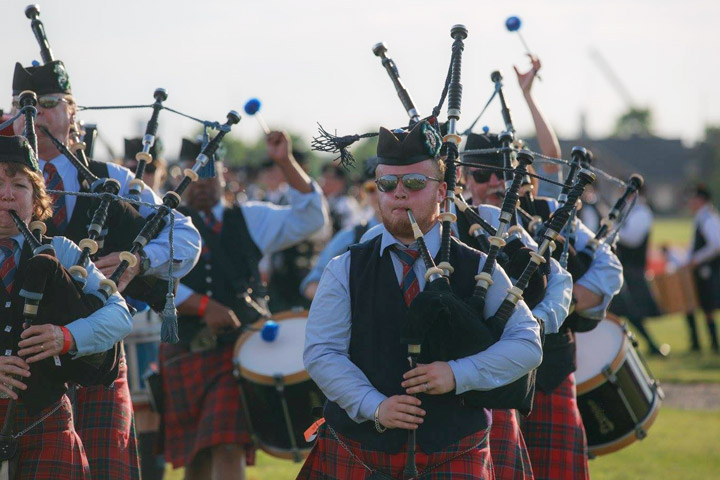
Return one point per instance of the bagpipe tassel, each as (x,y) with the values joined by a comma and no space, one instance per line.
(169,329)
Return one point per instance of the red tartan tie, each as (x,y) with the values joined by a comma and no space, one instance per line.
(216,227)
(8,268)
(409,285)
(53,181)
(213,223)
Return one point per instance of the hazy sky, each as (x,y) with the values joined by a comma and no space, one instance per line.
(311,61)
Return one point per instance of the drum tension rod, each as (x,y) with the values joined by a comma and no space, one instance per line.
(608,373)
(280,387)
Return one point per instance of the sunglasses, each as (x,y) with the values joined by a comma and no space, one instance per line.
(44,102)
(411,181)
(482,175)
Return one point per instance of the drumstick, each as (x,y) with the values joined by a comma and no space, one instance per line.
(513,24)
(252,108)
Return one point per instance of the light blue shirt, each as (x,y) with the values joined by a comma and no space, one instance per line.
(605,275)
(554,307)
(336,246)
(276,227)
(327,338)
(708,221)
(186,239)
(104,327)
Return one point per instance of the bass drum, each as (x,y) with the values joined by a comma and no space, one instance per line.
(279,398)
(617,396)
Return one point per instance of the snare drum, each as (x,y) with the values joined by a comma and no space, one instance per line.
(617,397)
(278,395)
(141,350)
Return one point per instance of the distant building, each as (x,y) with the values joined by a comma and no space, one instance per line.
(667,165)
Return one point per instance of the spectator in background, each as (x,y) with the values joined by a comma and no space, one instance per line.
(705,262)
(344,209)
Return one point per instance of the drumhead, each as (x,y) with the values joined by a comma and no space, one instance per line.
(260,361)
(598,348)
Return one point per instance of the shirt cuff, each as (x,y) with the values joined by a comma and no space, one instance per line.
(83,336)
(156,254)
(183,293)
(462,380)
(368,406)
(550,326)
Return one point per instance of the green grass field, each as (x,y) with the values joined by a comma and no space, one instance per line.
(681,444)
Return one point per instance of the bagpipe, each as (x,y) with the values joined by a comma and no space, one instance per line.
(607,226)
(115,222)
(51,295)
(440,325)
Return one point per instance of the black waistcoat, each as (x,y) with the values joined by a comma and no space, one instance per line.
(377,308)
(77,228)
(212,278)
(699,243)
(43,387)
(634,257)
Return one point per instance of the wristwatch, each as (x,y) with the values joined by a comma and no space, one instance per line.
(144,261)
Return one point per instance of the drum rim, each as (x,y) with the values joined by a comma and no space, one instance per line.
(254,377)
(630,437)
(599,379)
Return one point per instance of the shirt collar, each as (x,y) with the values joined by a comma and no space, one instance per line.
(432,240)
(59,161)
(19,239)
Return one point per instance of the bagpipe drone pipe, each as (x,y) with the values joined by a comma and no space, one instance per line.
(607,226)
(119,215)
(110,214)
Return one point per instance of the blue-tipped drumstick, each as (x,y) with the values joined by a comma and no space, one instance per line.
(252,108)
(513,24)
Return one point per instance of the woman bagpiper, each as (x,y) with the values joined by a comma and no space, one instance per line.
(42,425)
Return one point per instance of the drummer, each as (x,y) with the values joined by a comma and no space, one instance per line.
(204,428)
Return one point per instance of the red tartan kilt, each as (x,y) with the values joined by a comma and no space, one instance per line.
(555,435)
(202,406)
(51,450)
(106,426)
(329,460)
(510,457)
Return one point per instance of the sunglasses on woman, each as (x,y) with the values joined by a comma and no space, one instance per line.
(411,181)
(482,175)
(44,102)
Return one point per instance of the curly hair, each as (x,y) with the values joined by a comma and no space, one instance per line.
(42,203)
